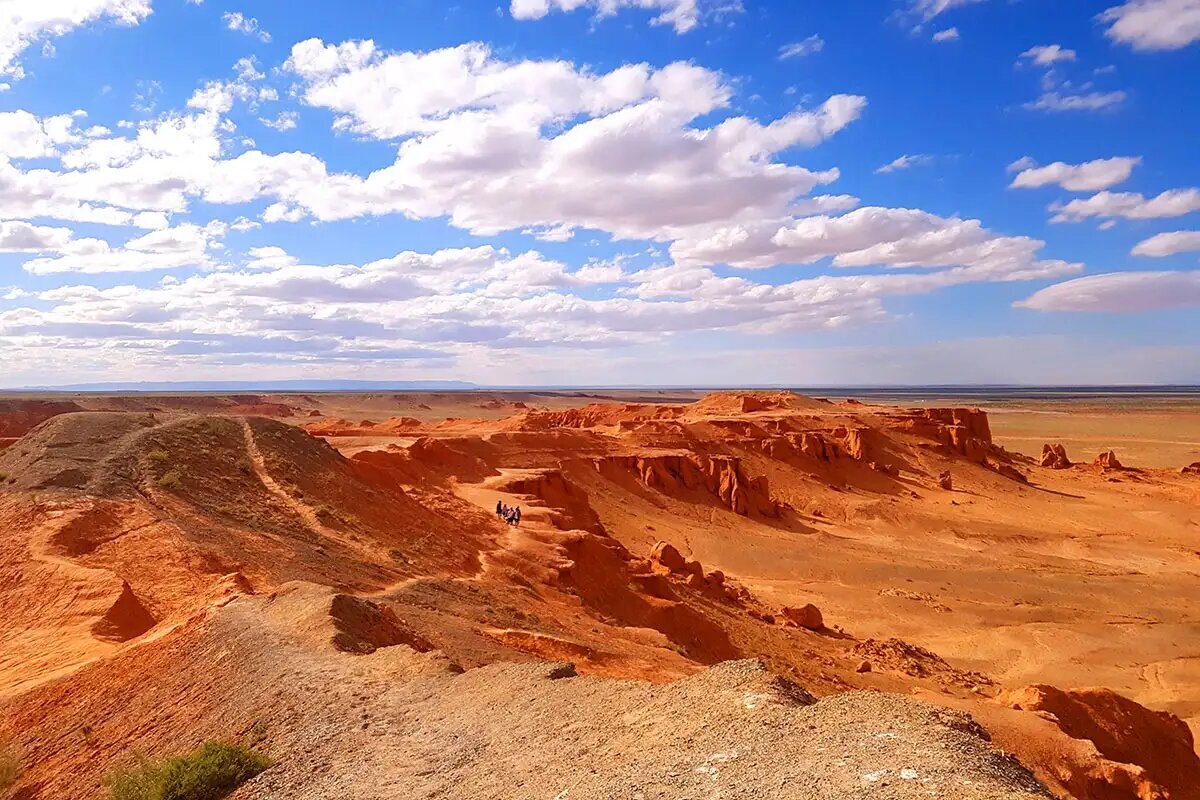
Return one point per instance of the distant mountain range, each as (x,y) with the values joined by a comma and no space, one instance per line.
(259,386)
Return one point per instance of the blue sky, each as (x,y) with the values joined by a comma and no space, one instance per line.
(600,191)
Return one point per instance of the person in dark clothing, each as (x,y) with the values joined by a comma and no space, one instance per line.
(517,516)
(499,508)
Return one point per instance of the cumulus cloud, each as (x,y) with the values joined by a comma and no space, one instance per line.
(23,135)
(805,47)
(682,15)
(498,145)
(23,22)
(1120,292)
(898,238)
(904,162)
(1128,205)
(186,245)
(21,237)
(1168,244)
(1089,176)
(947,35)
(1154,24)
(1046,55)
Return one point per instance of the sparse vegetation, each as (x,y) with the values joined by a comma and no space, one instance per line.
(10,768)
(210,773)
(159,456)
(171,480)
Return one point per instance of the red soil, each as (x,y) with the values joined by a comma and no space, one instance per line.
(656,539)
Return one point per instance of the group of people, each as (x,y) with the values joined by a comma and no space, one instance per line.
(509,514)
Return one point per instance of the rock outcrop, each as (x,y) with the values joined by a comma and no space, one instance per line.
(1054,456)
(1108,461)
(721,476)
(1191,469)
(962,431)
(1143,754)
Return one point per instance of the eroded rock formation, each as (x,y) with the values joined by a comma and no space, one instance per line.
(1054,456)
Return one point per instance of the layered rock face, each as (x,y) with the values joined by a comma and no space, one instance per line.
(720,476)
(1139,754)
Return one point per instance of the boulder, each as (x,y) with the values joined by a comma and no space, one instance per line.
(946,481)
(808,616)
(1107,461)
(1191,469)
(1054,456)
(669,557)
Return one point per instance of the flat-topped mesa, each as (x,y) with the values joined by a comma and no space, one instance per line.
(721,476)
(723,403)
(595,415)
(1054,456)
(964,431)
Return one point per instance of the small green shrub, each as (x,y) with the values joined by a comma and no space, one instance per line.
(159,456)
(10,768)
(210,773)
(171,480)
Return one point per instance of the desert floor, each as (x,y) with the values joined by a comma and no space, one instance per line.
(919,533)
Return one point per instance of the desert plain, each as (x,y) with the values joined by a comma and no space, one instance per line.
(734,594)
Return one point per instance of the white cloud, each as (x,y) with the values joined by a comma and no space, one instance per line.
(1154,24)
(904,162)
(23,22)
(1089,176)
(270,258)
(1048,54)
(1089,101)
(682,15)
(186,245)
(891,237)
(237,21)
(926,10)
(1129,205)
(21,237)
(497,145)
(1168,244)
(806,47)
(1120,292)
(948,35)
(23,135)
(284,121)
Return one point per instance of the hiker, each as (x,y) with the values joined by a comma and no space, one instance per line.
(517,516)
(499,508)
